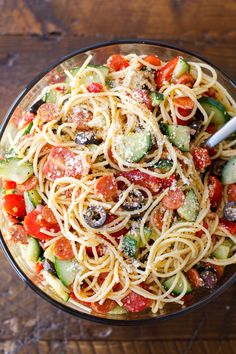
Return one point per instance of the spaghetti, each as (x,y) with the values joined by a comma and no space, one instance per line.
(127,205)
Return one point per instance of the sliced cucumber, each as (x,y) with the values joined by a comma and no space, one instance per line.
(29,206)
(28,129)
(55,284)
(48,253)
(190,209)
(35,197)
(134,146)
(10,170)
(92,76)
(211,105)
(118,310)
(51,96)
(164,165)
(179,286)
(32,199)
(148,233)
(223,251)
(156,98)
(31,250)
(181,68)
(179,135)
(229,171)
(66,270)
(131,244)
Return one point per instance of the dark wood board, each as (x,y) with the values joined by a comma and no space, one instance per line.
(34,33)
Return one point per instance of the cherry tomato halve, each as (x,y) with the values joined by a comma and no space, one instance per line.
(116,62)
(138,177)
(14,205)
(153,60)
(48,215)
(8,185)
(165,73)
(94,87)
(174,199)
(18,234)
(63,162)
(34,222)
(29,184)
(186,79)
(201,158)
(194,278)
(107,306)
(231,192)
(183,102)
(201,232)
(134,302)
(230,226)
(215,191)
(184,113)
(47,112)
(158,218)
(62,249)
(107,187)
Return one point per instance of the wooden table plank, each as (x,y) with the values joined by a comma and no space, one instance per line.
(124,347)
(199,20)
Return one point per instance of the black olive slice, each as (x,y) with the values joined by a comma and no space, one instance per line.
(95,216)
(209,278)
(230,211)
(34,108)
(49,266)
(133,201)
(83,138)
(195,127)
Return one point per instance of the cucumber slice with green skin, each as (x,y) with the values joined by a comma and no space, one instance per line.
(134,146)
(179,135)
(181,68)
(190,209)
(223,251)
(28,129)
(32,199)
(29,206)
(56,285)
(164,165)
(66,270)
(118,310)
(92,76)
(31,250)
(51,96)
(229,171)
(211,105)
(178,289)
(156,98)
(131,244)
(10,170)
(35,197)
(148,233)
(48,253)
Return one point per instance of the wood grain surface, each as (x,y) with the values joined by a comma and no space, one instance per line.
(34,33)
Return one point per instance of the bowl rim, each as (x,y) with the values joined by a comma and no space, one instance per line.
(6,250)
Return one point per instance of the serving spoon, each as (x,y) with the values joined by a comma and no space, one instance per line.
(223,133)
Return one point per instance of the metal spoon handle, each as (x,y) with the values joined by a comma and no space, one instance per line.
(222,134)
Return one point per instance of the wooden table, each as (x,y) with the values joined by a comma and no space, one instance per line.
(33,34)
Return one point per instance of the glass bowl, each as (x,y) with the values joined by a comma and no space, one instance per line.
(100,54)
